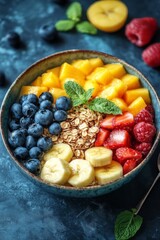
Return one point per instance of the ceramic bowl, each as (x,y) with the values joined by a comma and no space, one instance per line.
(55,60)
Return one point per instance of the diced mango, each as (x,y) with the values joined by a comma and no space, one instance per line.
(131,95)
(96,62)
(49,79)
(109,93)
(120,103)
(55,70)
(57,92)
(33,89)
(80,82)
(120,86)
(92,84)
(101,75)
(116,69)
(136,106)
(37,82)
(131,81)
(83,65)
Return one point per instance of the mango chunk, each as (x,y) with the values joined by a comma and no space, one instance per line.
(131,95)
(131,81)
(49,79)
(120,86)
(37,82)
(33,89)
(55,70)
(116,69)
(96,62)
(80,82)
(136,106)
(120,103)
(83,65)
(92,84)
(101,75)
(109,93)
(57,92)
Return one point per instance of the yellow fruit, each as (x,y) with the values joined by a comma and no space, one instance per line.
(96,62)
(83,65)
(50,80)
(131,81)
(80,82)
(55,70)
(92,84)
(131,95)
(116,69)
(108,16)
(109,93)
(37,82)
(120,86)
(120,103)
(101,75)
(33,89)
(136,106)
(57,92)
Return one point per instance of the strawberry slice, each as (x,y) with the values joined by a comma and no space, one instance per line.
(107,122)
(125,153)
(129,165)
(102,135)
(118,138)
(125,120)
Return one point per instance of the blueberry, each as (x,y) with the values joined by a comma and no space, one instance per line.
(14,124)
(35,130)
(35,152)
(30,142)
(32,165)
(44,143)
(21,153)
(14,39)
(16,138)
(48,32)
(23,98)
(63,103)
(16,111)
(2,79)
(29,109)
(24,131)
(60,115)
(25,122)
(44,117)
(46,104)
(32,98)
(46,96)
(55,128)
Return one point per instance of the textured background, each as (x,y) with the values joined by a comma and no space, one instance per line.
(26,211)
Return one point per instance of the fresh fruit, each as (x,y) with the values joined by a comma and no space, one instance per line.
(32,165)
(16,111)
(124,120)
(60,115)
(35,130)
(144,116)
(136,106)
(107,122)
(2,79)
(14,124)
(131,81)
(46,104)
(129,165)
(59,150)
(96,62)
(109,92)
(101,75)
(131,95)
(55,128)
(14,39)
(50,80)
(82,173)
(143,147)
(125,153)
(108,16)
(109,173)
(119,85)
(37,90)
(44,117)
(29,109)
(116,69)
(118,138)
(46,96)
(31,98)
(84,65)
(30,142)
(57,92)
(141,30)
(37,82)
(120,103)
(48,32)
(102,135)
(98,156)
(151,55)
(44,143)
(35,152)
(150,109)
(25,122)
(90,84)
(144,132)
(21,153)
(63,103)
(55,171)
(16,138)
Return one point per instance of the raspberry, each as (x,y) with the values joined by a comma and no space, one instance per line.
(144,116)
(144,148)
(150,109)
(141,30)
(151,55)
(144,132)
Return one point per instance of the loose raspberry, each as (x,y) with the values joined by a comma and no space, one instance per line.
(151,55)
(144,148)
(144,132)
(141,30)
(144,116)
(150,109)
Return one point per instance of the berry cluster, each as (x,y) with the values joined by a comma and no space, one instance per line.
(29,117)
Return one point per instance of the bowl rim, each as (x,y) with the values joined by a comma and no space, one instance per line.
(65,187)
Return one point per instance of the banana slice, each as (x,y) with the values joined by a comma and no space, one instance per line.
(59,150)
(109,173)
(56,171)
(82,173)
(99,156)
(108,16)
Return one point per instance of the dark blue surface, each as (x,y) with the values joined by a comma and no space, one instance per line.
(26,211)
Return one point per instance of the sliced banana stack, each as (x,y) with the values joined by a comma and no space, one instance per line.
(98,156)
(109,173)
(82,173)
(56,171)
(59,150)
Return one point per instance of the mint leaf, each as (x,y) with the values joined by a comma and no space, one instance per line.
(86,27)
(74,11)
(75,92)
(64,25)
(127,224)
(89,93)
(103,105)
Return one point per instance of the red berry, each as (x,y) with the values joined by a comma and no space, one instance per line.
(144,116)
(141,30)
(101,137)
(107,122)
(150,109)
(117,138)
(144,132)
(151,55)
(124,120)
(144,148)
(125,153)
(129,166)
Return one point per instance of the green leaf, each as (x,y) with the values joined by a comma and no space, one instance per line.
(75,92)
(103,105)
(89,93)
(86,27)
(64,25)
(127,224)
(74,11)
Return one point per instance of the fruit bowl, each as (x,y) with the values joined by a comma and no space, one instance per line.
(30,79)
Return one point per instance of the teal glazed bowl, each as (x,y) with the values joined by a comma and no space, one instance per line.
(55,60)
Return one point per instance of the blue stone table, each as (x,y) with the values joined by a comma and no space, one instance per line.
(26,211)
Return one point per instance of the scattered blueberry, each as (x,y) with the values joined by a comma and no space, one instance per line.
(48,32)
(21,153)
(14,124)
(46,96)
(16,138)
(2,79)
(35,152)
(35,130)
(32,98)
(25,122)
(46,104)
(44,143)
(32,165)
(44,117)
(63,103)
(23,98)
(24,131)
(16,111)
(29,109)
(55,128)
(60,115)
(30,142)
(14,39)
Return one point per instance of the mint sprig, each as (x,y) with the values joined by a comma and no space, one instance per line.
(127,224)
(79,96)
(74,11)
(65,25)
